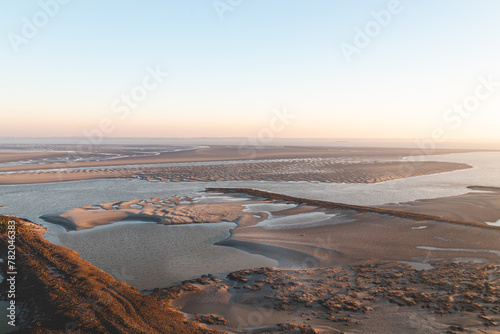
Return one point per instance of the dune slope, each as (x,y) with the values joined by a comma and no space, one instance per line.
(58,291)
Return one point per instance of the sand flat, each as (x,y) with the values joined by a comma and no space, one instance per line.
(328,171)
(474,206)
(205,153)
(166,211)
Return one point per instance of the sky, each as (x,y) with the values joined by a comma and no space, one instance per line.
(239,68)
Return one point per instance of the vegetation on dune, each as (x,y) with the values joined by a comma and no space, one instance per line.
(58,292)
(4,223)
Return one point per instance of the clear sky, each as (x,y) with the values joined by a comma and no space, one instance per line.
(66,69)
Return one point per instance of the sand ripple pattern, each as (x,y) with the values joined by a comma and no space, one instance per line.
(319,170)
(310,170)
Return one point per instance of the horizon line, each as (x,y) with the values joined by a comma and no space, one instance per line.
(247,137)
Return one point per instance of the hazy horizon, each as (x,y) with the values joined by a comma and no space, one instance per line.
(86,143)
(378,70)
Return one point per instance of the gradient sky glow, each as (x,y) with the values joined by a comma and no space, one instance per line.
(227,76)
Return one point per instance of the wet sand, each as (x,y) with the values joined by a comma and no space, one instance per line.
(369,236)
(287,235)
(20,155)
(481,206)
(337,275)
(354,234)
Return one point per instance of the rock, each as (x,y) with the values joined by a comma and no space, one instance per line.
(237,276)
(488,320)
(211,319)
(457,328)
(366,309)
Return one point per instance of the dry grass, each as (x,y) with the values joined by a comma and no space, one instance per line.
(60,292)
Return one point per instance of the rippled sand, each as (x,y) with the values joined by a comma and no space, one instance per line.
(226,163)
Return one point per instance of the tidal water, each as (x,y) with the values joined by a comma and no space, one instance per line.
(33,200)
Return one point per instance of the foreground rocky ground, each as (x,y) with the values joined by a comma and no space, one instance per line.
(459,297)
